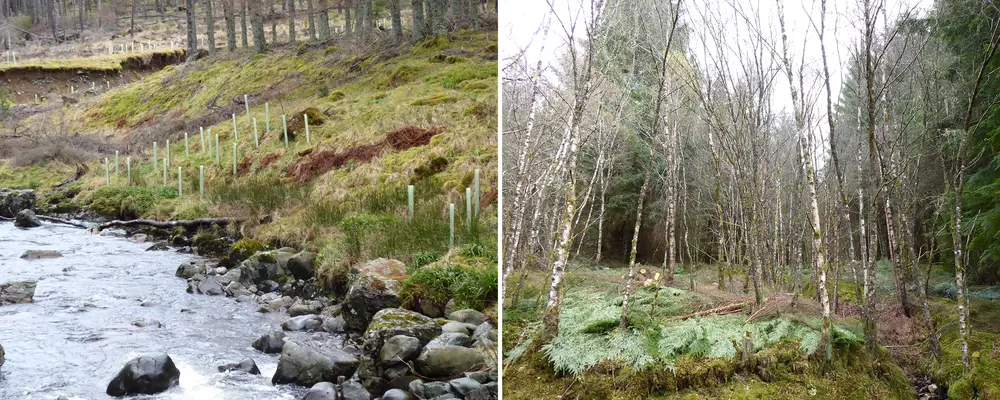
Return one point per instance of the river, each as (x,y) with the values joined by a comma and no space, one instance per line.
(79,331)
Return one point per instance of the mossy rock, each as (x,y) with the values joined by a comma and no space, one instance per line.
(390,322)
(331,49)
(430,168)
(243,249)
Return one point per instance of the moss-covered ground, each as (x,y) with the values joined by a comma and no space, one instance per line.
(707,357)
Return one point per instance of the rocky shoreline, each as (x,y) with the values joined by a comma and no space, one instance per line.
(387,351)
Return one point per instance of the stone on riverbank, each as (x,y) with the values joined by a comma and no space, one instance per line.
(17,292)
(147,374)
(395,394)
(188,270)
(40,254)
(354,390)
(13,201)
(322,391)
(303,265)
(446,361)
(2,359)
(398,349)
(27,219)
(303,323)
(468,316)
(306,365)
(376,288)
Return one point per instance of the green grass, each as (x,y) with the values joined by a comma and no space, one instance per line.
(128,201)
(471,282)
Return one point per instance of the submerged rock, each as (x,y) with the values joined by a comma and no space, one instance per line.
(307,365)
(40,254)
(248,365)
(147,374)
(27,219)
(17,292)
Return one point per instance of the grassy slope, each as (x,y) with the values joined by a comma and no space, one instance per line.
(362,95)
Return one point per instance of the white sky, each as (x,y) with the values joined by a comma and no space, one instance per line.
(520,20)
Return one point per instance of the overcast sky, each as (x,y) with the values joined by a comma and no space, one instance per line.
(520,20)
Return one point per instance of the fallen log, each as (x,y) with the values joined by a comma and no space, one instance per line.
(62,221)
(726,309)
(187,224)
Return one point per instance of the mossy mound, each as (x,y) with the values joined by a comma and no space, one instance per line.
(127,202)
(470,281)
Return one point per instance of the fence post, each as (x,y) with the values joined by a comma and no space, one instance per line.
(256,141)
(451,224)
(475,182)
(107,172)
(180,183)
(409,201)
(284,128)
(236,134)
(305,117)
(201,182)
(246,105)
(468,209)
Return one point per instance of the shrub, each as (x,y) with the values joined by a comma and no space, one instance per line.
(128,202)
(254,196)
(333,267)
(945,289)
(471,286)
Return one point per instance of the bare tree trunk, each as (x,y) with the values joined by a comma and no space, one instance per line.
(635,241)
(210,26)
(229,15)
(397,21)
(324,20)
(312,20)
(192,33)
(291,21)
(418,20)
(721,260)
(243,24)
(257,25)
(347,17)
(819,258)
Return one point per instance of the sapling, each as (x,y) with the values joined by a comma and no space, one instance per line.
(409,201)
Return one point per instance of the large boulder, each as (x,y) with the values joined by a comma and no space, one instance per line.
(387,324)
(188,270)
(147,374)
(13,201)
(375,287)
(26,219)
(17,292)
(307,365)
(265,265)
(448,361)
(211,287)
(270,343)
(354,390)
(451,339)
(303,265)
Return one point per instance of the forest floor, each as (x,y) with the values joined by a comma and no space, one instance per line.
(662,356)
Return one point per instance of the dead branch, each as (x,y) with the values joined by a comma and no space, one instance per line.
(726,309)
(187,224)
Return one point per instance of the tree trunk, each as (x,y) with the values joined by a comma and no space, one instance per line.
(192,33)
(291,21)
(418,20)
(324,21)
(397,21)
(132,23)
(720,215)
(243,24)
(257,25)
(210,26)
(347,17)
(312,20)
(229,14)
(635,241)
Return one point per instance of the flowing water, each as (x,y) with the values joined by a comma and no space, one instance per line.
(78,332)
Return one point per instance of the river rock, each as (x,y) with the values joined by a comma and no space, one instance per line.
(113,232)
(13,201)
(17,292)
(334,325)
(488,391)
(446,361)
(2,359)
(188,270)
(303,265)
(248,365)
(264,265)
(271,343)
(159,246)
(455,327)
(485,331)
(354,390)
(376,288)
(303,323)
(468,316)
(307,365)
(147,374)
(429,390)
(398,349)
(139,238)
(211,287)
(462,386)
(236,289)
(27,219)
(395,394)
(322,391)
(451,339)
(40,254)
(305,308)
(143,323)
(384,325)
